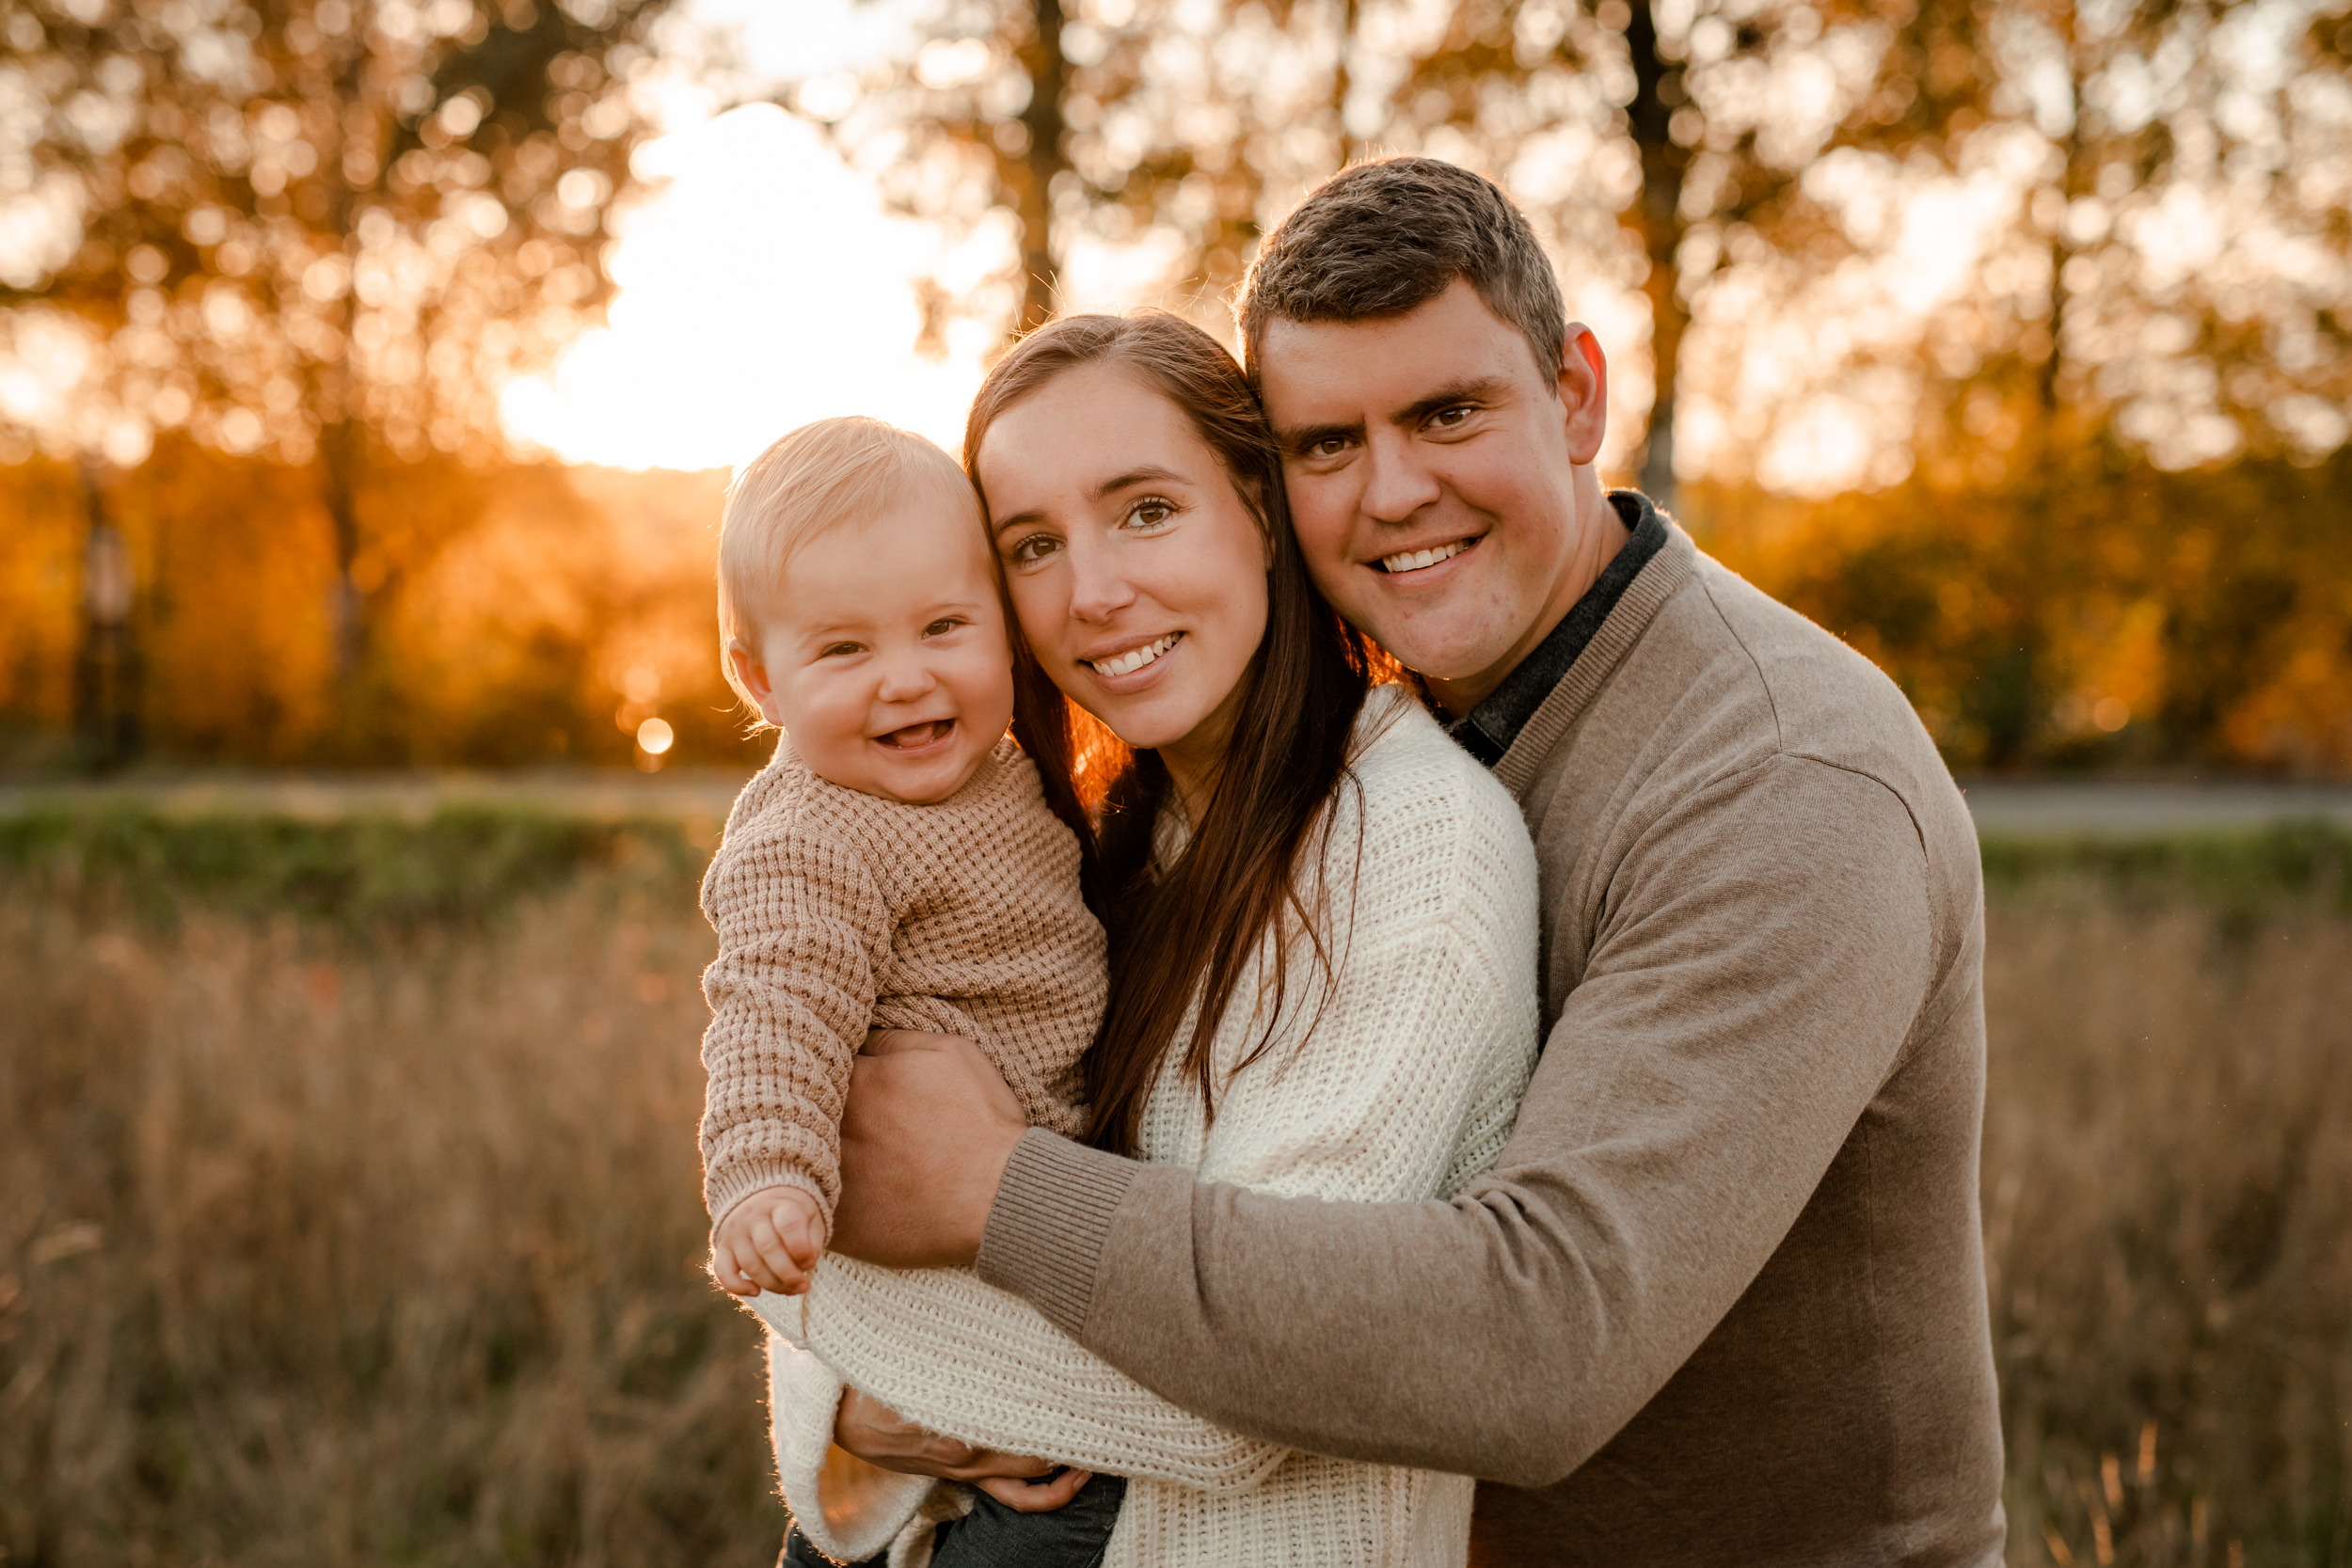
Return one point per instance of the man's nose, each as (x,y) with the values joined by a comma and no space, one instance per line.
(1397,484)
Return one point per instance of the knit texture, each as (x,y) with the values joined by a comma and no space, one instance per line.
(839,912)
(1397,1081)
(1722,1297)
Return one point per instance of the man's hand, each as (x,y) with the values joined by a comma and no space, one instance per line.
(875,1433)
(768,1242)
(924,1140)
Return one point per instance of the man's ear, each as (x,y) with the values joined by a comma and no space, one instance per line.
(751,672)
(1583,393)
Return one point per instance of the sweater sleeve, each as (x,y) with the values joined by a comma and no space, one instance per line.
(1746,993)
(803,930)
(1408,1077)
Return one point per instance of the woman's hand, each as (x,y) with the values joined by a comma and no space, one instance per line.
(879,1436)
(924,1140)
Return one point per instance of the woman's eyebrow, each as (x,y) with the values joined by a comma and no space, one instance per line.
(1148,474)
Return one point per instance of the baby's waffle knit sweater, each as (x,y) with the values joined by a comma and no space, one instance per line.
(839,912)
(1401,1085)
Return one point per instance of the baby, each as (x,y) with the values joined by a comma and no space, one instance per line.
(896,865)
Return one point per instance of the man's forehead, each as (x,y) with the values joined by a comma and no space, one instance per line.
(1378,360)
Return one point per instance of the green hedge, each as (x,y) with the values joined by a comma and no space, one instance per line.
(460,866)
(2242,872)
(466,865)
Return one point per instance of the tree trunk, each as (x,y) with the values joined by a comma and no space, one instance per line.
(105,668)
(1341,82)
(338,487)
(1657,91)
(1045,156)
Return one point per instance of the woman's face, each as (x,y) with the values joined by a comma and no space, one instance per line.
(1136,570)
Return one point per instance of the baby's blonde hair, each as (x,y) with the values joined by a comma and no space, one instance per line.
(820,475)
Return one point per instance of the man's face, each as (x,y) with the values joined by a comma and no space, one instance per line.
(1433,473)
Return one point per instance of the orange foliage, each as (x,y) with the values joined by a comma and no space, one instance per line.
(2090,610)
(513,614)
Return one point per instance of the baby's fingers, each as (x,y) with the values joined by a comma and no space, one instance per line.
(776,1267)
(729,1273)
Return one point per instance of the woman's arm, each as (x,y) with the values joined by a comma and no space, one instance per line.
(1406,1079)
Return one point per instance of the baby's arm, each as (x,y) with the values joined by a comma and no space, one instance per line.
(802,927)
(768,1242)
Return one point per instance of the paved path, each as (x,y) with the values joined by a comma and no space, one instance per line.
(2126,810)
(702,794)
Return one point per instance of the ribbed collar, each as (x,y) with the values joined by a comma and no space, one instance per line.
(1669,565)
(1488,730)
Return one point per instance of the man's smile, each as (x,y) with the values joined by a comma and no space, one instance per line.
(1408,561)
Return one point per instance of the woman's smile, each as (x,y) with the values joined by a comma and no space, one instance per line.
(1142,655)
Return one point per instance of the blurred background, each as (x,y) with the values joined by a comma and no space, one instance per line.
(369,374)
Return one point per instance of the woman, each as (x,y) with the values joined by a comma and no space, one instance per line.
(1323,919)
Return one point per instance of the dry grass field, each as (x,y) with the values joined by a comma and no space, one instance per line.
(349,1213)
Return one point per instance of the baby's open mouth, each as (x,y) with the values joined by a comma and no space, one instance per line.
(915,736)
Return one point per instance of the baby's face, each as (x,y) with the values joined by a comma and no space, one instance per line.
(885,658)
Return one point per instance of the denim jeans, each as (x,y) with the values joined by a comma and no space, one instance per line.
(994,1536)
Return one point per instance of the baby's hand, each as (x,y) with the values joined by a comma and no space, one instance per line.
(768,1242)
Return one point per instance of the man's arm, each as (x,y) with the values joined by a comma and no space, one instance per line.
(1759,960)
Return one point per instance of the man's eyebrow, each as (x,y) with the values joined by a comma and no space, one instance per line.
(1482,389)
(1300,438)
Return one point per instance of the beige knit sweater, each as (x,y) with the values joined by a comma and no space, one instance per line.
(1402,1084)
(839,912)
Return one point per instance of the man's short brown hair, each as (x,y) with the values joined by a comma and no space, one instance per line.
(1383,237)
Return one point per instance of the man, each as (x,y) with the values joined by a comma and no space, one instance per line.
(1722,1298)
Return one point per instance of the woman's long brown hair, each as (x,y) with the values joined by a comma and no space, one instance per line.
(1190,929)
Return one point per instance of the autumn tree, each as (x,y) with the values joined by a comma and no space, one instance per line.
(1146,138)
(321,230)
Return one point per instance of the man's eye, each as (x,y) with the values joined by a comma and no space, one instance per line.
(1446,418)
(1331,446)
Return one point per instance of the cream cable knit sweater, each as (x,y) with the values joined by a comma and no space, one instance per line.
(1404,1087)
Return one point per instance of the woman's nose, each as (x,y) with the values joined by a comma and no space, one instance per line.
(1099,589)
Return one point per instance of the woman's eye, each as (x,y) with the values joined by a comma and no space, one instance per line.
(1151,512)
(1035,548)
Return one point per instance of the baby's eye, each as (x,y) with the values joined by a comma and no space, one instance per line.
(839,650)
(1152,510)
(945,624)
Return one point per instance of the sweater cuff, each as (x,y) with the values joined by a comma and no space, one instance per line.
(744,1177)
(1046,1230)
